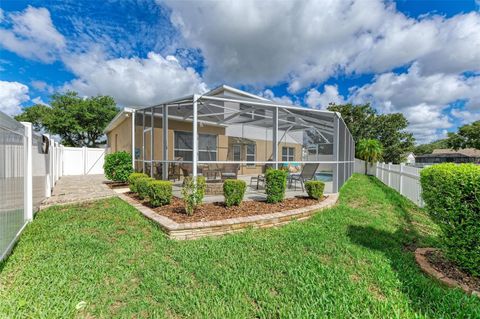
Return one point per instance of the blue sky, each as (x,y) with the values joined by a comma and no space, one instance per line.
(421,58)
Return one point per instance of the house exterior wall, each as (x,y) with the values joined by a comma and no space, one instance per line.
(120,139)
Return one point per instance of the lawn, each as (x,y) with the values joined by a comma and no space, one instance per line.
(105,260)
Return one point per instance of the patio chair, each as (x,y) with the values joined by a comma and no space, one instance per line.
(307,174)
(260,178)
(229,171)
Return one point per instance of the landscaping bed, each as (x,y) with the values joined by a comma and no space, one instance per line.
(218,211)
(441,264)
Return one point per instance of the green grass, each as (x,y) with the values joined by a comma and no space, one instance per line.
(351,261)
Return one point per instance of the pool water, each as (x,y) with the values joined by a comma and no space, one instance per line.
(324,177)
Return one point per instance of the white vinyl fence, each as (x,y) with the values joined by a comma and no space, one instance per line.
(30,166)
(83,160)
(404,179)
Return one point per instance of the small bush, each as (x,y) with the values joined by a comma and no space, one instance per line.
(193,194)
(142,186)
(132,179)
(233,191)
(452,198)
(118,166)
(275,185)
(315,189)
(159,192)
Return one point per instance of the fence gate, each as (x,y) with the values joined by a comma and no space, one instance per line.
(83,160)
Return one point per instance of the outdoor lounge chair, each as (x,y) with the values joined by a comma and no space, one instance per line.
(307,174)
(229,171)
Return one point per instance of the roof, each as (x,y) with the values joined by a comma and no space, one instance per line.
(469,152)
(233,92)
(221,93)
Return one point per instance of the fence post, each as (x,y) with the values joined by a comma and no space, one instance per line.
(389,174)
(84,160)
(401,178)
(28,191)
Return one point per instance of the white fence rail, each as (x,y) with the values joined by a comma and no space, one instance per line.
(404,179)
(30,166)
(83,160)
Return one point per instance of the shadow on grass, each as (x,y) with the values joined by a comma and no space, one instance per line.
(398,247)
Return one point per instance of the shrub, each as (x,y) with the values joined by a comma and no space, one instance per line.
(452,198)
(315,189)
(142,186)
(193,194)
(159,192)
(233,191)
(118,166)
(275,185)
(132,179)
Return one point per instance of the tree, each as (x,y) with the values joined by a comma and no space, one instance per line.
(428,148)
(78,121)
(467,136)
(370,151)
(389,129)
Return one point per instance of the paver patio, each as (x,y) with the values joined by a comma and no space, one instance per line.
(80,188)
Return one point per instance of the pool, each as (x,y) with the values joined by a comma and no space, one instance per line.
(324,176)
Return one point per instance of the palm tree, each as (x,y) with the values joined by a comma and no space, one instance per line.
(370,151)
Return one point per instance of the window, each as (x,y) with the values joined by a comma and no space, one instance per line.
(251,154)
(237,153)
(288,154)
(207,146)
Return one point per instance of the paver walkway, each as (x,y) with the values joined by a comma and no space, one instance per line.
(82,188)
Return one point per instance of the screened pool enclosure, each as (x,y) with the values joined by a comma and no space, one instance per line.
(228,133)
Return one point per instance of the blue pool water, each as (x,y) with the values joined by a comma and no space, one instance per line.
(324,177)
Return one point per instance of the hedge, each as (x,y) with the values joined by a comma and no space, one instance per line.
(233,191)
(275,185)
(159,192)
(315,189)
(452,198)
(142,186)
(118,166)
(132,179)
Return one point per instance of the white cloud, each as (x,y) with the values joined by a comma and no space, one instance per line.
(305,42)
(32,35)
(423,99)
(12,95)
(284,100)
(133,81)
(42,86)
(466,116)
(317,100)
(38,100)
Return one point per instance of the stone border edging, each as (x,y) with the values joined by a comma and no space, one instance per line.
(426,267)
(186,231)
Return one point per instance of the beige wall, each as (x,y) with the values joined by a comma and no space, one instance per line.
(122,135)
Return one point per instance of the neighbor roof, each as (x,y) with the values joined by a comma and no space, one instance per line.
(469,152)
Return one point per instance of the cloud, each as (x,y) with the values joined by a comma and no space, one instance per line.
(283,100)
(12,95)
(42,86)
(317,100)
(32,35)
(423,99)
(133,81)
(306,42)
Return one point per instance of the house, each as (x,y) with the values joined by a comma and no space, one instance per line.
(445,155)
(410,158)
(232,127)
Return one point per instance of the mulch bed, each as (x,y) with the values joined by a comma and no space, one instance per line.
(218,211)
(450,270)
(114,185)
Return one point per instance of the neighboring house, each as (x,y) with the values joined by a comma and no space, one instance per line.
(466,155)
(410,159)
